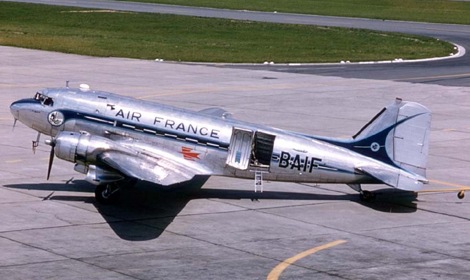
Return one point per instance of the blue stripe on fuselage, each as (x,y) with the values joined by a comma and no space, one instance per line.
(140,128)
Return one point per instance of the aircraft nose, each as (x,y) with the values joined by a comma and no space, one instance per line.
(15,109)
(18,105)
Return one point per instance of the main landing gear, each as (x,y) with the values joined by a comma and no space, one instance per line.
(110,193)
(364,195)
(107,193)
(367,196)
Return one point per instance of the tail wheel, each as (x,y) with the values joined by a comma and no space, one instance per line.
(461,194)
(107,194)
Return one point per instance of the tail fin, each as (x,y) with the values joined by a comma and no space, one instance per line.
(398,135)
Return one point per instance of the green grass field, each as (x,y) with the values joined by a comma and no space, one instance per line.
(441,11)
(180,38)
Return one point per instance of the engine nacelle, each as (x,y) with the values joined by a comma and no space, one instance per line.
(98,176)
(82,148)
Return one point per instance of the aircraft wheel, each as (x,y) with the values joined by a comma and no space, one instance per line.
(107,194)
(367,196)
(461,194)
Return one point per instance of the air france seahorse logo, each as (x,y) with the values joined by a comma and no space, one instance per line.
(375,147)
(56,118)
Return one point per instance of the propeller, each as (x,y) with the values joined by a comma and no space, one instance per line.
(51,143)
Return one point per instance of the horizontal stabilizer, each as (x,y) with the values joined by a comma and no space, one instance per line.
(394,177)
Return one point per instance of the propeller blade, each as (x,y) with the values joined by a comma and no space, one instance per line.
(51,160)
(51,156)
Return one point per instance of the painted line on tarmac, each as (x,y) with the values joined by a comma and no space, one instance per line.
(13,161)
(463,75)
(449,184)
(22,160)
(221,90)
(276,272)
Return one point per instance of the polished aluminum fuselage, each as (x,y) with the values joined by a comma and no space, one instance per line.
(204,139)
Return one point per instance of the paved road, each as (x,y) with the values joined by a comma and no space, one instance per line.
(454,72)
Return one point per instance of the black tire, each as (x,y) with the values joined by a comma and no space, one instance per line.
(461,194)
(367,196)
(107,194)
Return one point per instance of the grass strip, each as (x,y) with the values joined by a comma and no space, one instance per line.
(438,11)
(181,38)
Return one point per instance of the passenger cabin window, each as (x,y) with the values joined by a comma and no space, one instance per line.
(45,100)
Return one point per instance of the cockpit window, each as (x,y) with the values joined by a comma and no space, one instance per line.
(45,100)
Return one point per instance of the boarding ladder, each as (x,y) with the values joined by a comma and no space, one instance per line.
(258,180)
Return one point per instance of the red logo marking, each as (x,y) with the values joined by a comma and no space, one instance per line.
(189,154)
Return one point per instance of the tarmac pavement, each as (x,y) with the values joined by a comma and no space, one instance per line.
(55,230)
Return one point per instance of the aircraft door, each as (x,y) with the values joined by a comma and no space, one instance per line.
(239,153)
(263,145)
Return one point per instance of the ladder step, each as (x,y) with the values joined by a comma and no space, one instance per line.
(258,181)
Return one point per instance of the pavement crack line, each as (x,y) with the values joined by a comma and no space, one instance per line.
(249,253)
(363,235)
(65,257)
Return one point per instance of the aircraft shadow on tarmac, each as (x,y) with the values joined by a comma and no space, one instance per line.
(145,211)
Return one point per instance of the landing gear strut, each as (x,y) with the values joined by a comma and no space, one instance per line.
(107,193)
(364,195)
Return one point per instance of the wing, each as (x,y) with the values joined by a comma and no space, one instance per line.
(153,168)
(111,158)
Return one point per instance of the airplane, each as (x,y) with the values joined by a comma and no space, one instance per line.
(117,140)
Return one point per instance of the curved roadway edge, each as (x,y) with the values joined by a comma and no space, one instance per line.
(419,28)
(460,53)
